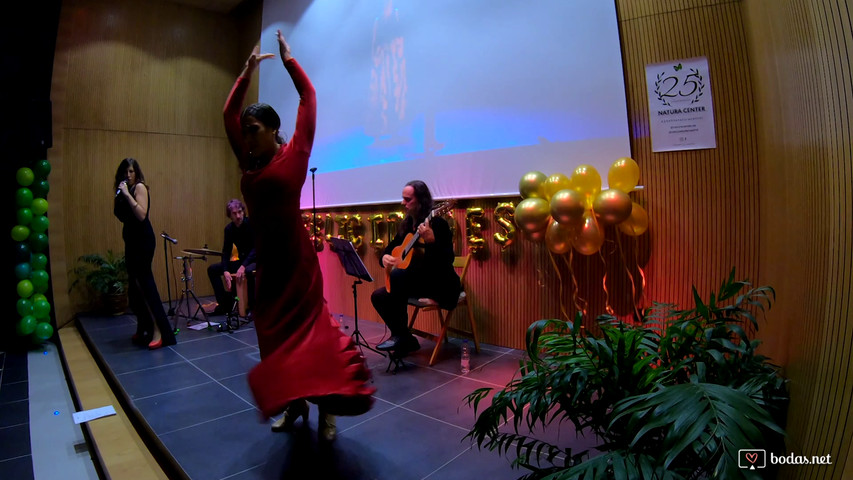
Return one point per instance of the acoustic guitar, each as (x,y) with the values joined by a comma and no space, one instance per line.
(403,252)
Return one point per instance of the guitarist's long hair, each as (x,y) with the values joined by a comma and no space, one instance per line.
(424,197)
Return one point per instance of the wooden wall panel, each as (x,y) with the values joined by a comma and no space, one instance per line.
(147,80)
(800,56)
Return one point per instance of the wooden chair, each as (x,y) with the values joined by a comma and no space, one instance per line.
(444,317)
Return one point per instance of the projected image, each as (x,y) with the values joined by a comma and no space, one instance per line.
(467,96)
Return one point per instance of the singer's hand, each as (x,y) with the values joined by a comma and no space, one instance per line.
(122,187)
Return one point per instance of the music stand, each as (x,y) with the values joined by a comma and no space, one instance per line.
(355,268)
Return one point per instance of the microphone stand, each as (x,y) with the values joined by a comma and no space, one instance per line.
(168,288)
(313,210)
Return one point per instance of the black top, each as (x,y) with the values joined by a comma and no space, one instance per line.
(434,263)
(244,238)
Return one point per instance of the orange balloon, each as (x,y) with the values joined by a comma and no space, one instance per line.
(530,185)
(587,182)
(590,238)
(532,214)
(612,206)
(554,184)
(637,223)
(623,174)
(558,237)
(567,206)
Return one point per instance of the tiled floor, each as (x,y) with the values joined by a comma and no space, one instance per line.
(195,400)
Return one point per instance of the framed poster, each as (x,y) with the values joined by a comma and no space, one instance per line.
(681,110)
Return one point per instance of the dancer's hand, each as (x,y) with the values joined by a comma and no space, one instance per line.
(283,47)
(253,60)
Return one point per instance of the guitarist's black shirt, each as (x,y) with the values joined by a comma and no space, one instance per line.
(432,264)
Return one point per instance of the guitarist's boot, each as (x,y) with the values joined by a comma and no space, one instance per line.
(390,344)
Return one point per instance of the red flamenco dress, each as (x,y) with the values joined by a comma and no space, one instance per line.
(303,353)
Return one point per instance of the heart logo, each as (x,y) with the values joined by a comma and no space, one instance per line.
(752,457)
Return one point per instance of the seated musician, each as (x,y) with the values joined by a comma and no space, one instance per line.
(238,258)
(429,275)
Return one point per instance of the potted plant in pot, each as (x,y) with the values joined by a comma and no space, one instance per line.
(106,275)
(674,397)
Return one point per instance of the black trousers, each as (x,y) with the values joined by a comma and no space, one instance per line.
(393,307)
(144,299)
(223,298)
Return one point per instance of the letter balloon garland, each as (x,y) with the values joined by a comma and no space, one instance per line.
(31,243)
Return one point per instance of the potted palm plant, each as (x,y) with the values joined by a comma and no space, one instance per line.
(106,275)
(673,397)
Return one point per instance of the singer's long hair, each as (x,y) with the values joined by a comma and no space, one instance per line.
(121,173)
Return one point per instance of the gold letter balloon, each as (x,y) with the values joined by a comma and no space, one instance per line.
(504,216)
(476,242)
(375,239)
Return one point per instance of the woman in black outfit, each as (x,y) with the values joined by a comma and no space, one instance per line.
(131,207)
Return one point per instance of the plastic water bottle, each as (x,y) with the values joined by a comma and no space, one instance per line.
(466,358)
(341,321)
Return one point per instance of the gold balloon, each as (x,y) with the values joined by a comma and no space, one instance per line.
(623,174)
(532,214)
(505,216)
(476,242)
(554,184)
(559,237)
(530,185)
(637,223)
(587,182)
(567,206)
(355,230)
(590,238)
(537,236)
(612,206)
(376,220)
(328,227)
(393,221)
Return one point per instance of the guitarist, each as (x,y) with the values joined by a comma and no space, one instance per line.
(429,275)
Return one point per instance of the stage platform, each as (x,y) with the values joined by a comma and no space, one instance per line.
(192,405)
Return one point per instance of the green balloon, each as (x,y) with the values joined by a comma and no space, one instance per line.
(39,206)
(27,325)
(37,297)
(44,330)
(40,188)
(23,271)
(25,216)
(25,288)
(22,252)
(25,176)
(38,242)
(40,279)
(42,169)
(39,261)
(41,309)
(24,197)
(40,224)
(25,307)
(20,233)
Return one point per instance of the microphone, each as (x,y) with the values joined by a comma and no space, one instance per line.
(118,192)
(167,237)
